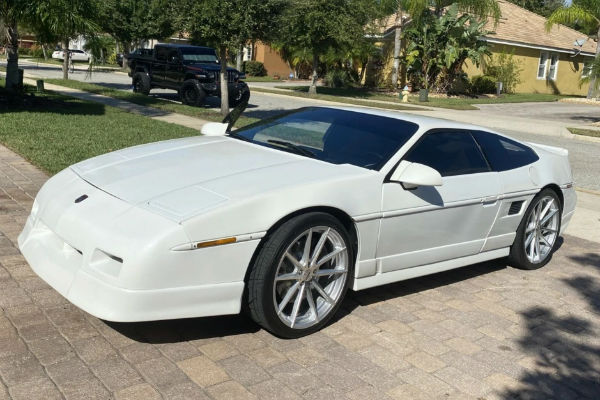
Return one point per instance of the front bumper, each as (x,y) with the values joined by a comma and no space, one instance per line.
(115,261)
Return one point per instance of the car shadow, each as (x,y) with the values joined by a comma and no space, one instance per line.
(48,102)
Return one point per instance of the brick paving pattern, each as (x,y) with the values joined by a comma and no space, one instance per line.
(482,332)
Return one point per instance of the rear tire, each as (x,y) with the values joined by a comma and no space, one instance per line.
(295,289)
(141,83)
(191,93)
(537,234)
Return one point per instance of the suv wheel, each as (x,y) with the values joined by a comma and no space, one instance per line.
(141,83)
(191,93)
(238,95)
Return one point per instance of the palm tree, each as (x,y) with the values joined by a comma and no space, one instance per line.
(414,8)
(11,12)
(586,13)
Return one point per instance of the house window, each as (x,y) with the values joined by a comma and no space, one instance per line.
(553,66)
(541,74)
(548,65)
(587,69)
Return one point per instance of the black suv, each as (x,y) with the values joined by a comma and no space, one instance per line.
(191,70)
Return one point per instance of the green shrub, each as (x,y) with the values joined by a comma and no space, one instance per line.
(483,84)
(255,68)
(504,68)
(24,51)
(37,52)
(112,59)
(338,78)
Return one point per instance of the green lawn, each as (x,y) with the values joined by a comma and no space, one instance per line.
(330,95)
(452,103)
(54,131)
(260,79)
(150,101)
(585,132)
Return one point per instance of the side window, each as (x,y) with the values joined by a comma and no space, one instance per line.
(449,152)
(161,53)
(173,56)
(503,153)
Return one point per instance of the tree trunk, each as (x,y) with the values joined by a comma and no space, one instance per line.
(312,89)
(238,58)
(44,52)
(126,48)
(12,56)
(223,80)
(65,66)
(397,42)
(592,88)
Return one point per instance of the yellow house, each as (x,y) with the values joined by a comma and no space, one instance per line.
(550,62)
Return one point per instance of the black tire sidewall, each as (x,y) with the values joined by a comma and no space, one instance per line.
(269,257)
(141,83)
(518,257)
(188,87)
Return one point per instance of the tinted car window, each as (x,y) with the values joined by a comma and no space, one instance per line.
(335,136)
(161,53)
(503,153)
(449,152)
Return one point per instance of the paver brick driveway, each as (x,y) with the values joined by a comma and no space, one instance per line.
(486,331)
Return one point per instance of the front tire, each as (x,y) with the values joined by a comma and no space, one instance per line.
(537,235)
(300,275)
(191,93)
(141,83)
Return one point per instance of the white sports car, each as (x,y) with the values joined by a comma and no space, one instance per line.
(76,55)
(285,215)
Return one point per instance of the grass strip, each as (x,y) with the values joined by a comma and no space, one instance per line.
(584,132)
(53,131)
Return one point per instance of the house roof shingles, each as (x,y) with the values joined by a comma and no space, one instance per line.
(520,26)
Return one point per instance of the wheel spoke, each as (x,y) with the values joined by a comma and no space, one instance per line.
(547,217)
(288,296)
(327,272)
(330,256)
(531,247)
(293,260)
(322,292)
(297,304)
(306,252)
(549,230)
(311,304)
(288,277)
(545,241)
(546,208)
(319,246)
(537,247)
(529,239)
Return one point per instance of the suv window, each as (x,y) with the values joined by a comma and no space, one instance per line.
(172,56)
(451,152)
(161,53)
(503,153)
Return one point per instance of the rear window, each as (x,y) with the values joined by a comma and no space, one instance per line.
(503,153)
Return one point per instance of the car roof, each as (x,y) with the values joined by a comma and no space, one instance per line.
(182,46)
(423,121)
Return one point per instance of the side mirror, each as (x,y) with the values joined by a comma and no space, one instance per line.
(412,175)
(214,129)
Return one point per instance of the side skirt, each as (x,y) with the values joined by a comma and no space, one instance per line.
(409,273)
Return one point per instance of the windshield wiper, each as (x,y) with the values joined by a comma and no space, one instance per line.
(238,136)
(294,147)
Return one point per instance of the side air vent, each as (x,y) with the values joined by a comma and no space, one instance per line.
(515,207)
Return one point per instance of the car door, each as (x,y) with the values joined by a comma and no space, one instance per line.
(428,224)
(159,64)
(174,68)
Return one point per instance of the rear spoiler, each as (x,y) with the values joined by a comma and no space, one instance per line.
(551,149)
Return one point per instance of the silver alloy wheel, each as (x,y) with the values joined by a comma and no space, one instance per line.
(541,230)
(311,277)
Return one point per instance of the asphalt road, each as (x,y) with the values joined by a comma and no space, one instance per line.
(584,155)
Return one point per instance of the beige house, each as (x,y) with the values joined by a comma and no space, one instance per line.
(550,62)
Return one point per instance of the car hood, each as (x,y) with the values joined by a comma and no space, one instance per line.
(184,177)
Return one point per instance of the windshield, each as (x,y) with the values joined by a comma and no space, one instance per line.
(335,136)
(198,55)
